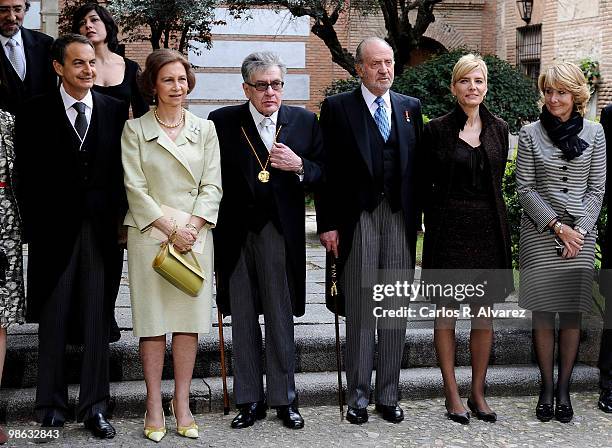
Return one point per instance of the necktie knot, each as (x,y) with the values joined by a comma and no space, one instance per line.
(79,107)
(380,101)
(11,43)
(267,121)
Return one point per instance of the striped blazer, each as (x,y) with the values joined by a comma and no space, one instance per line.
(549,186)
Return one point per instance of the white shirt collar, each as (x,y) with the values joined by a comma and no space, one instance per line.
(17,37)
(69,101)
(369,97)
(258,117)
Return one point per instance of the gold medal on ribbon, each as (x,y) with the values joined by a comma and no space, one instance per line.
(264,175)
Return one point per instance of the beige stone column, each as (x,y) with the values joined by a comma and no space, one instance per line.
(49,15)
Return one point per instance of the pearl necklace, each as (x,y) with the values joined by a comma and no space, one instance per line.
(167,125)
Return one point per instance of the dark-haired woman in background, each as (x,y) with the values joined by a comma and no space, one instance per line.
(116,76)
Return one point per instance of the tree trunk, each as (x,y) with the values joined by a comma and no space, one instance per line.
(156,34)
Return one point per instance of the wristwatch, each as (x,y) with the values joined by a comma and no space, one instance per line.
(300,172)
(558,226)
(580,230)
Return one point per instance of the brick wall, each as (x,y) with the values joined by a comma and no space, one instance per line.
(571,31)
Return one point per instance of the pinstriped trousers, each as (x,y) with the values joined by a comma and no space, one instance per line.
(260,278)
(81,285)
(379,252)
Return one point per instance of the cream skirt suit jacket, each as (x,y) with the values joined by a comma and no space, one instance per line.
(185,175)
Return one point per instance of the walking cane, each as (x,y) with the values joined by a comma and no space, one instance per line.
(334,293)
(226,403)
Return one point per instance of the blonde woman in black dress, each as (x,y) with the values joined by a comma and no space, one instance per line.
(467,239)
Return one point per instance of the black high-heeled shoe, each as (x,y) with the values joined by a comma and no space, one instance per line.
(458,417)
(544,412)
(490,417)
(564,412)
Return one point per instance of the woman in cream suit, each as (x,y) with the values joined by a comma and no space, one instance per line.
(170,157)
(561,178)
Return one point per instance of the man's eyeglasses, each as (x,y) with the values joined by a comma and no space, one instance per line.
(261,86)
(7,9)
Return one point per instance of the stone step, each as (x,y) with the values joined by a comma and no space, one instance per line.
(315,350)
(314,388)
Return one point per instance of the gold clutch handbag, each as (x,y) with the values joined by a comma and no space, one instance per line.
(180,271)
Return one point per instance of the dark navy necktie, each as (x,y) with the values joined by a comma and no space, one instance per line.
(80,124)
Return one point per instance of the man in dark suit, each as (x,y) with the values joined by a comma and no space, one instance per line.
(71,197)
(367,216)
(269,154)
(605,284)
(25,58)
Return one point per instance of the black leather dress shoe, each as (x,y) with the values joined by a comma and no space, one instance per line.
(100,427)
(290,416)
(357,416)
(52,421)
(248,413)
(393,414)
(490,417)
(564,413)
(605,400)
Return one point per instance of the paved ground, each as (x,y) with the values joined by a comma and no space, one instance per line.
(425,426)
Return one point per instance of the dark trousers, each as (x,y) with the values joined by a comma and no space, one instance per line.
(605,350)
(81,285)
(260,281)
(379,254)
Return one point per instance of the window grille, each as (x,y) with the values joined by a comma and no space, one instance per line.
(529,50)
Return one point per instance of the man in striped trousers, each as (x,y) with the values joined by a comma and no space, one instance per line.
(368,216)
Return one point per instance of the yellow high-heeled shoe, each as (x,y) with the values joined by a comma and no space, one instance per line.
(153,433)
(190,431)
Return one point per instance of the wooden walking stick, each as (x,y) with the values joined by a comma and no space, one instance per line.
(226,403)
(334,293)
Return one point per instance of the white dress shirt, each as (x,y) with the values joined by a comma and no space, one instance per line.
(370,100)
(71,111)
(258,118)
(19,48)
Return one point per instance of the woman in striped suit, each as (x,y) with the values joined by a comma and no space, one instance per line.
(560,176)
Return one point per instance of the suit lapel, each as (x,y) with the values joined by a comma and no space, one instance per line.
(405,129)
(152,131)
(30,48)
(354,107)
(69,132)
(98,121)
(284,123)
(488,140)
